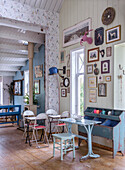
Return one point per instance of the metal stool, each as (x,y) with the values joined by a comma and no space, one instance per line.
(65,145)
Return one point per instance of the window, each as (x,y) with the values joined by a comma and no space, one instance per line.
(26,82)
(77,81)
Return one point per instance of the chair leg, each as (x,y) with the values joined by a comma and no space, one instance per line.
(53,146)
(61,149)
(73,148)
(35,138)
(65,147)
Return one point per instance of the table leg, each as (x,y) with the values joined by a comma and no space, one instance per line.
(28,137)
(90,152)
(50,133)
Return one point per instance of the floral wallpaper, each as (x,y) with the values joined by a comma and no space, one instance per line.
(14,10)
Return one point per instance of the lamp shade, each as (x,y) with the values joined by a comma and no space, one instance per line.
(53,70)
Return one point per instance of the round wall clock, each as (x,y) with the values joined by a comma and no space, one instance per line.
(66,82)
(108,16)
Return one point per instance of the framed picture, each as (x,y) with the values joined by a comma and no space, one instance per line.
(113,34)
(101,79)
(107,78)
(61,84)
(92,81)
(38,71)
(63,92)
(92,95)
(93,55)
(89,69)
(37,86)
(17,90)
(105,66)
(102,90)
(68,90)
(73,34)
(62,56)
(108,51)
(68,73)
(99,36)
(68,60)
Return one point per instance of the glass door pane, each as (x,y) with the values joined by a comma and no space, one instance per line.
(81,95)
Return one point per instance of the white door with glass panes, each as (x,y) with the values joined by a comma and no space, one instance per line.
(77,82)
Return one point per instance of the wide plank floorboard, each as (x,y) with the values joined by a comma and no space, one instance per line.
(16,155)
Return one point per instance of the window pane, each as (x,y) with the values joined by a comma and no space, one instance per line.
(81,95)
(81,63)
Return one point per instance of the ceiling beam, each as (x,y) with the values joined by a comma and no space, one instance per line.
(9,55)
(14,34)
(22,25)
(7,73)
(9,68)
(12,63)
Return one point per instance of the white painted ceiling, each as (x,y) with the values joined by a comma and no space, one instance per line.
(13,46)
(49,5)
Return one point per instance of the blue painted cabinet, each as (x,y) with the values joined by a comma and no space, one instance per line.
(111,126)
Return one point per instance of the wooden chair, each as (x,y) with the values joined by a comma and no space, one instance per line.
(37,126)
(66,143)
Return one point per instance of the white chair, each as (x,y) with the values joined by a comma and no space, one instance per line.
(27,113)
(58,126)
(51,112)
(51,121)
(66,143)
(36,127)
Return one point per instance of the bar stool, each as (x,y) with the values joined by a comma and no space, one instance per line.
(67,143)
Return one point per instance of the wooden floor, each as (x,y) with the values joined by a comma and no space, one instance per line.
(16,155)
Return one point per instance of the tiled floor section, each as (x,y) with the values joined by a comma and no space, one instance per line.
(16,155)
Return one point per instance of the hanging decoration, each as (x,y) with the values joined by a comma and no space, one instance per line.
(85,38)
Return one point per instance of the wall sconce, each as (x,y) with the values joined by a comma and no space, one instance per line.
(54,70)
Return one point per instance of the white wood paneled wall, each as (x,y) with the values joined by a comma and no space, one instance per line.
(74,11)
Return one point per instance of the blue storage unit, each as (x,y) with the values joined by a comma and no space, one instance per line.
(111,126)
(11,110)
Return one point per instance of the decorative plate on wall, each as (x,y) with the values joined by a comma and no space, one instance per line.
(108,16)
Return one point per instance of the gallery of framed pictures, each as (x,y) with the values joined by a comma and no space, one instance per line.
(113,34)
(73,34)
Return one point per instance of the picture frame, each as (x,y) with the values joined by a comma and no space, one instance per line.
(62,56)
(89,69)
(63,92)
(68,90)
(37,86)
(99,36)
(92,82)
(93,55)
(61,84)
(68,60)
(108,51)
(68,73)
(17,88)
(113,34)
(92,95)
(105,66)
(102,89)
(101,78)
(72,35)
(39,71)
(107,78)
